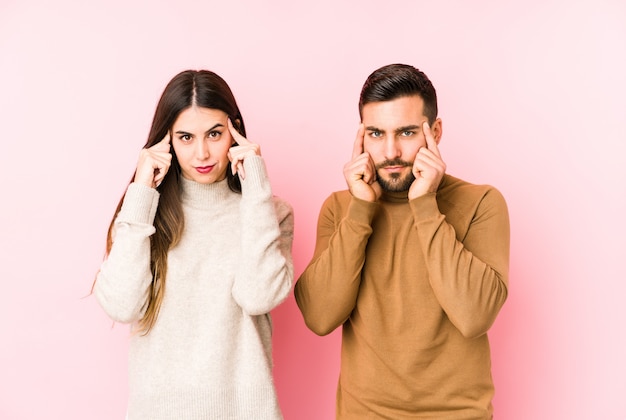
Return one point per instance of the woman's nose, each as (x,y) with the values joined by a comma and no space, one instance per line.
(202,150)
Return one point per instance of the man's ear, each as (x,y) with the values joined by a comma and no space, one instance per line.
(437,130)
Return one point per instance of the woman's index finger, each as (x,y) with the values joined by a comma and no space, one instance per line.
(236,135)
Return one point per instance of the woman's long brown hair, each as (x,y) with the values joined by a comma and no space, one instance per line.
(200,88)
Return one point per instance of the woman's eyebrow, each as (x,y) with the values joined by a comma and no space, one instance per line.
(207,131)
(214,127)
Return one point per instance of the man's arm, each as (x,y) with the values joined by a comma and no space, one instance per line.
(469,275)
(326,291)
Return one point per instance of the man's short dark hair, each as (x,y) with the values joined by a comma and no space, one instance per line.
(398,80)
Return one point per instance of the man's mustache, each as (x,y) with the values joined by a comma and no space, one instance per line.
(393,162)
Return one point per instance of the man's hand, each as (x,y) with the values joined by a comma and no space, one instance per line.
(238,153)
(428,167)
(153,164)
(360,172)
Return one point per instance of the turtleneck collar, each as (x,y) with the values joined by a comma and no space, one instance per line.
(395,197)
(204,195)
(403,196)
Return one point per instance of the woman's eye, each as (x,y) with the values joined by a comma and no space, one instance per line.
(185,137)
(214,134)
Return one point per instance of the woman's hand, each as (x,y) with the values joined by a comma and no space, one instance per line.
(244,149)
(153,164)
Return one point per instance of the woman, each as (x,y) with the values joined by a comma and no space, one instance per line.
(198,254)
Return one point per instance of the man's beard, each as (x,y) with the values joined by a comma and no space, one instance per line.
(396,183)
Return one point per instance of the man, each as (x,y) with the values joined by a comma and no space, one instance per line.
(412,262)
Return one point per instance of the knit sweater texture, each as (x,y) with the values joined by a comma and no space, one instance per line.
(209,354)
(416,285)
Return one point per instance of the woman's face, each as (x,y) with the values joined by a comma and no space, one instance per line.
(201,140)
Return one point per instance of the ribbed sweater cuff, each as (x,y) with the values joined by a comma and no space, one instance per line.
(256,180)
(140,204)
(425,207)
(361,211)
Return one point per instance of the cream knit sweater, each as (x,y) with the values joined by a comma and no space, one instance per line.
(209,355)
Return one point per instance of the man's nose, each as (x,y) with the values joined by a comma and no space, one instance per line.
(392,148)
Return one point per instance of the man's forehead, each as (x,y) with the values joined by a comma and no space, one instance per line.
(406,110)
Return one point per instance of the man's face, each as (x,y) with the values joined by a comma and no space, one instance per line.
(393,136)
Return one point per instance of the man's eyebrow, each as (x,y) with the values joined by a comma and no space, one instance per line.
(407,128)
(372,128)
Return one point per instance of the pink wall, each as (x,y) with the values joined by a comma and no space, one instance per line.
(532,99)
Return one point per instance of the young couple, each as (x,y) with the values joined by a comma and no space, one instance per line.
(410,261)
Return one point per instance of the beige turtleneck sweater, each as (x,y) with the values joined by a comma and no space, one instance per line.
(209,355)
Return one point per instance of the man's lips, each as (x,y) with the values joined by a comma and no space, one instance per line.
(397,168)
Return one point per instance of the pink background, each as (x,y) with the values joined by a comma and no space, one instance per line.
(532,96)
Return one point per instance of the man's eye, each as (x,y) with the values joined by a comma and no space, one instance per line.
(376,134)
(407,133)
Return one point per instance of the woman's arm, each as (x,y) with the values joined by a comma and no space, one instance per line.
(265,272)
(123,282)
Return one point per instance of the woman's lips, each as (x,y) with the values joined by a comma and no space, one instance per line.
(204,169)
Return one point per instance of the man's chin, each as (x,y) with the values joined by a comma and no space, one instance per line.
(396,184)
